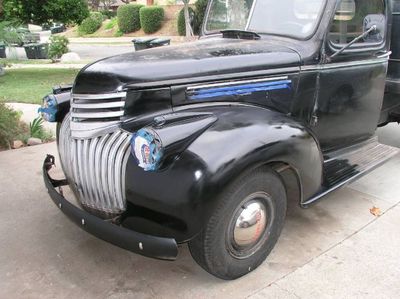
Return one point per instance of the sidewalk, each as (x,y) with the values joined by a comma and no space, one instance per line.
(334,249)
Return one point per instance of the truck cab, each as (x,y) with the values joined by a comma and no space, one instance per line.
(205,143)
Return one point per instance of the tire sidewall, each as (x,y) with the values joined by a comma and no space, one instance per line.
(220,258)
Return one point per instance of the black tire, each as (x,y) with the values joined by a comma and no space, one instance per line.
(212,248)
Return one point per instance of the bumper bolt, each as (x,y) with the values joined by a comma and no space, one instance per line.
(60,205)
(83,221)
(140,246)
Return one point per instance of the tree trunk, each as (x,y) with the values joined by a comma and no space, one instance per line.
(189,30)
(94,4)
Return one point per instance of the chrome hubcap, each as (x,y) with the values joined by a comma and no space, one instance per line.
(250,225)
(248,229)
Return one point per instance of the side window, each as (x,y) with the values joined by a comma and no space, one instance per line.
(353,17)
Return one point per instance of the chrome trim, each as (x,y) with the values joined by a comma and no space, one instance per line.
(251,12)
(232,83)
(95,169)
(99,105)
(99,96)
(213,78)
(94,115)
(385,55)
(98,114)
(328,66)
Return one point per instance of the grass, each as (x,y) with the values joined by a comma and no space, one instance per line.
(111,24)
(31,85)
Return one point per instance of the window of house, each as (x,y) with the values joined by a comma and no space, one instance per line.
(353,17)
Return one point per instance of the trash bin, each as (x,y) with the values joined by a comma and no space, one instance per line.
(142,43)
(43,51)
(159,42)
(30,51)
(37,51)
(2,50)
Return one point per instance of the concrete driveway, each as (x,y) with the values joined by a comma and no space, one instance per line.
(335,249)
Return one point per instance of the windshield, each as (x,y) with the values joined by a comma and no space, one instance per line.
(295,18)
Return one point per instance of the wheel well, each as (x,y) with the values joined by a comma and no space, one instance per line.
(291,180)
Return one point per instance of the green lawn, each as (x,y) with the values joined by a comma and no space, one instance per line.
(31,85)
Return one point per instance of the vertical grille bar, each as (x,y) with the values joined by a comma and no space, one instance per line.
(95,169)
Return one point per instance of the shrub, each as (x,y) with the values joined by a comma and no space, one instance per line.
(200,10)
(109,14)
(151,18)
(129,17)
(58,46)
(10,126)
(118,33)
(91,24)
(181,21)
(98,16)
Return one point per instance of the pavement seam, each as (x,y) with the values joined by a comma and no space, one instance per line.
(372,196)
(285,290)
(322,253)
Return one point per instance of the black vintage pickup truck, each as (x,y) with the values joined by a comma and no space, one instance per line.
(201,142)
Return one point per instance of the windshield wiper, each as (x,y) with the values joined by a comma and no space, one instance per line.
(240,34)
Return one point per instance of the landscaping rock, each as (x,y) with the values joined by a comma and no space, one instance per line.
(2,71)
(17,144)
(70,57)
(34,141)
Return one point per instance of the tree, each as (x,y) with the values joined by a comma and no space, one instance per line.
(189,30)
(94,4)
(107,3)
(45,11)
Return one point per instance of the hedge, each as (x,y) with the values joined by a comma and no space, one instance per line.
(181,21)
(129,17)
(91,24)
(151,18)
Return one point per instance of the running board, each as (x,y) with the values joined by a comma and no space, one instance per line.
(346,165)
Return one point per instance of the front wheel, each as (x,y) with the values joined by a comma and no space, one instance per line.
(244,227)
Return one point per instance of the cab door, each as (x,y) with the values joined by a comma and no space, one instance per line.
(351,84)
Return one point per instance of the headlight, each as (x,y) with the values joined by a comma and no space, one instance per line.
(146,147)
(49,108)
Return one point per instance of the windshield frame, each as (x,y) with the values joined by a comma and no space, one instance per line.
(214,32)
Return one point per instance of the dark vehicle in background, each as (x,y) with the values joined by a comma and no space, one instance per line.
(206,142)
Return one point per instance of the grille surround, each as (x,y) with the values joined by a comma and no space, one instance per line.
(95,168)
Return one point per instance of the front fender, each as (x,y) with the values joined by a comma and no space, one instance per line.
(181,197)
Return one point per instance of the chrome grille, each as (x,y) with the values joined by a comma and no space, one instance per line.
(90,114)
(95,168)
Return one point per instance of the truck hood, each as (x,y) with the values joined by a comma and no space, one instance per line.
(203,58)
